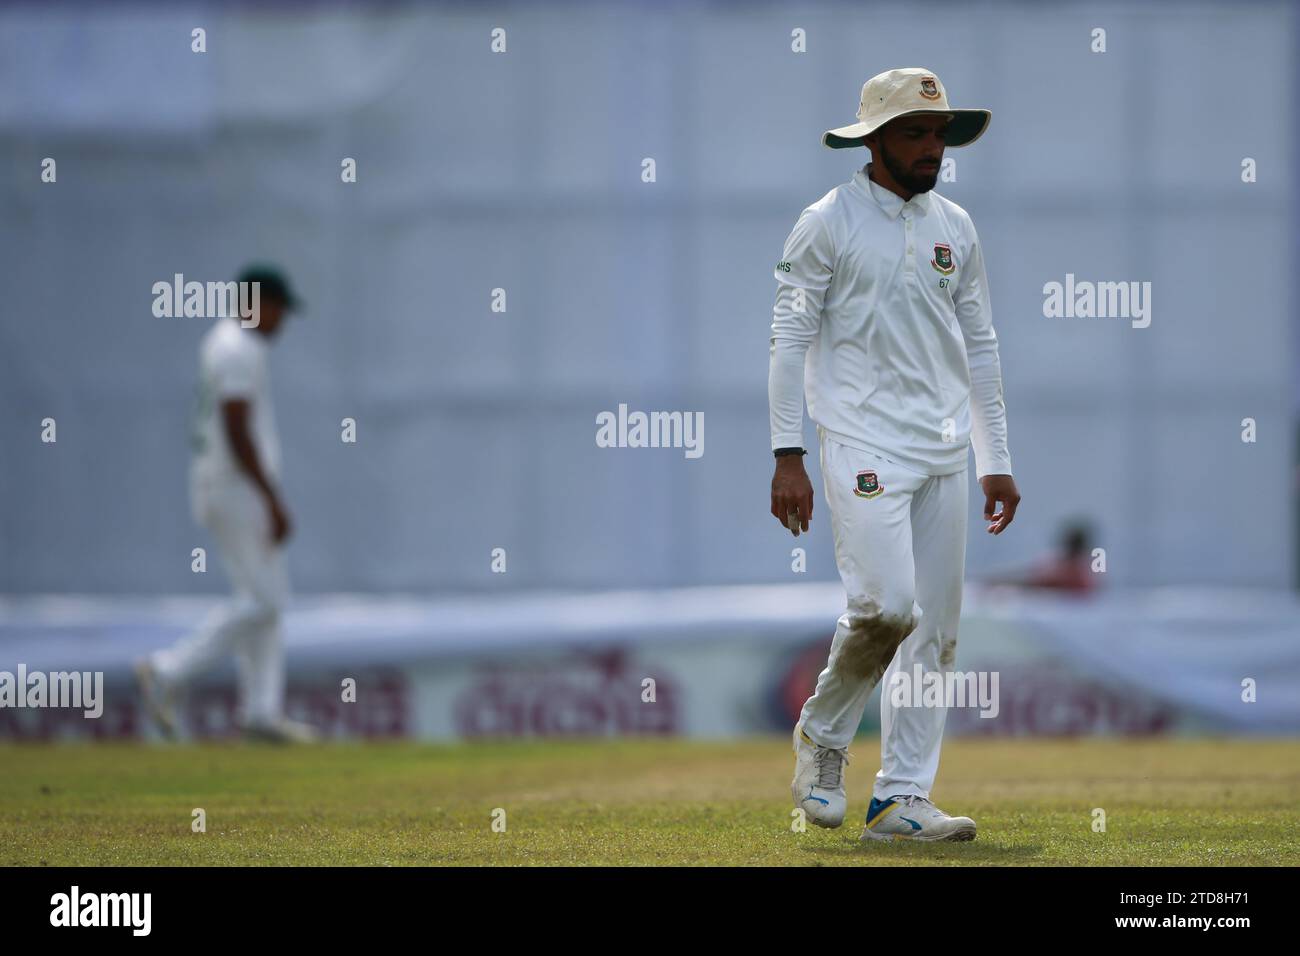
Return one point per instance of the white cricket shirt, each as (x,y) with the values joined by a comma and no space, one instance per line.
(233,363)
(882,315)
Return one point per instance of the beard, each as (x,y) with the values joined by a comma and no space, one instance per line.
(911,181)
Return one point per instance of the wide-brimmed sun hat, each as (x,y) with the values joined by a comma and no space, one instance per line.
(894,93)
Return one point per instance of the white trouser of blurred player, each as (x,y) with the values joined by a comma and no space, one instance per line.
(900,545)
(248,625)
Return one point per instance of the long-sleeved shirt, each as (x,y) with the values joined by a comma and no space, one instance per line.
(882,314)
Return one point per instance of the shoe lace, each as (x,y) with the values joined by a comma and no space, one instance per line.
(913,799)
(830,767)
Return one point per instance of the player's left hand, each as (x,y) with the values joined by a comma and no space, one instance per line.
(999,488)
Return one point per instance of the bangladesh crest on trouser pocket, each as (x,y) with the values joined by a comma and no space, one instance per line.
(942,260)
(868,485)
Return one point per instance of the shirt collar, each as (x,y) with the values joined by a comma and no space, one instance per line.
(891,203)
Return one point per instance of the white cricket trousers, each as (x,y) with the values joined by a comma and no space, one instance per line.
(900,544)
(248,625)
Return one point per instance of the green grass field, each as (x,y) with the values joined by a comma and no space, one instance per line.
(1205,802)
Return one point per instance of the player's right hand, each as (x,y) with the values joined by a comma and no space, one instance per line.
(280,525)
(792,494)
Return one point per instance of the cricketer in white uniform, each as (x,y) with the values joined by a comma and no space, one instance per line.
(234,474)
(882,317)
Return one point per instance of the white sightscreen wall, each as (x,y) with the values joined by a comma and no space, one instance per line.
(523,171)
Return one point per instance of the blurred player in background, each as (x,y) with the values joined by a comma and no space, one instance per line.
(883,302)
(233,492)
(1068,569)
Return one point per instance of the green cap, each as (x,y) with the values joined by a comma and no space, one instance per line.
(272,284)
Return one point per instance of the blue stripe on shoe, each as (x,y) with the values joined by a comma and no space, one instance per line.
(878,808)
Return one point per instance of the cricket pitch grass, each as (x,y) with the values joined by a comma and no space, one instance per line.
(636,802)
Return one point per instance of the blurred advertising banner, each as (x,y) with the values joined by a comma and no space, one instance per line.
(698,662)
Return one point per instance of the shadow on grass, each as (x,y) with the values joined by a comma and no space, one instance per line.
(901,851)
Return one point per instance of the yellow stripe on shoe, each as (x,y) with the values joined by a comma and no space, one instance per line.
(881,815)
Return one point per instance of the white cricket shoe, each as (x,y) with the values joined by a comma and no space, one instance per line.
(281,732)
(818,785)
(914,818)
(159,700)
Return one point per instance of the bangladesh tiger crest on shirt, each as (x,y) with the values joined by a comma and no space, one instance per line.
(942,260)
(868,485)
